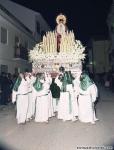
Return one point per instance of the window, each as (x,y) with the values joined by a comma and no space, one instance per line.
(4,35)
(17,40)
(17,47)
(4,68)
(25,51)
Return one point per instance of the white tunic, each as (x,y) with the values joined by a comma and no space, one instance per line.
(66,110)
(50,99)
(21,98)
(31,103)
(76,84)
(42,104)
(86,104)
(33,79)
(56,100)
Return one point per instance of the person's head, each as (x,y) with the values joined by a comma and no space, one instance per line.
(62,69)
(25,74)
(33,74)
(76,73)
(28,74)
(47,75)
(41,77)
(85,81)
(61,21)
(9,75)
(67,77)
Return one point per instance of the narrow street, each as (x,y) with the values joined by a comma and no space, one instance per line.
(58,135)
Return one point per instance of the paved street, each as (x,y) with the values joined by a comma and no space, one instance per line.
(58,135)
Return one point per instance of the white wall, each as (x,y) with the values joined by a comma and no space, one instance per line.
(27,16)
(7,50)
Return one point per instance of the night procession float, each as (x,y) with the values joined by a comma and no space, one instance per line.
(57,48)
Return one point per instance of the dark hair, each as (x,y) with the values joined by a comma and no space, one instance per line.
(61,69)
(40,75)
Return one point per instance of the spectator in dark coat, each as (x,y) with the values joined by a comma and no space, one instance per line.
(4,88)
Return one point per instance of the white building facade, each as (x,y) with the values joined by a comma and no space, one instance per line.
(33,20)
(17,39)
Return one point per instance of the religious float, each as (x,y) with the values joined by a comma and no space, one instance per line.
(58,48)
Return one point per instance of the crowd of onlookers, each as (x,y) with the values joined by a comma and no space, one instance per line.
(106,79)
(7,81)
(109,80)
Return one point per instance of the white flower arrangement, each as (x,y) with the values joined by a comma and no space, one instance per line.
(72,54)
(77,54)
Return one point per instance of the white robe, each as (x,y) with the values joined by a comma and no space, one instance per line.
(31,103)
(33,79)
(51,108)
(42,104)
(55,104)
(66,102)
(86,104)
(21,99)
(50,99)
(76,87)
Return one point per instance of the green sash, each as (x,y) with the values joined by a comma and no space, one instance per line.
(67,79)
(17,83)
(38,85)
(64,84)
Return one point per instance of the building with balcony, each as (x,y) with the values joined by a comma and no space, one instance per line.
(33,20)
(17,38)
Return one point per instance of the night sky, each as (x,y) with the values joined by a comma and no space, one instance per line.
(87,18)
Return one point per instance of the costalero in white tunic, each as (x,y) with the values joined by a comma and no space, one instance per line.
(31,104)
(21,98)
(86,104)
(42,103)
(76,88)
(66,110)
(48,80)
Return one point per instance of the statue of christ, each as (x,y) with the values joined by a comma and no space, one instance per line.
(61,29)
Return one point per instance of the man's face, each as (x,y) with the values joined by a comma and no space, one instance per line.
(61,21)
(76,74)
(60,76)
